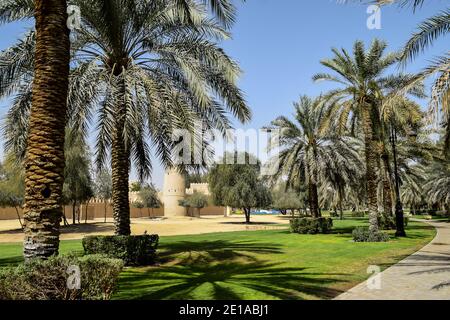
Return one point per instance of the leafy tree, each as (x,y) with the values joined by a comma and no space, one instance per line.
(239,185)
(139,205)
(149,198)
(198,201)
(12,186)
(135,186)
(285,200)
(103,187)
(78,186)
(195,177)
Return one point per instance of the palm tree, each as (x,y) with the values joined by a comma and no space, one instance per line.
(147,68)
(357,102)
(405,117)
(437,188)
(310,153)
(433,28)
(412,193)
(44,162)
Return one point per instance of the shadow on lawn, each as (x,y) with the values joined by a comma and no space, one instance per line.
(222,270)
(10,261)
(217,250)
(232,280)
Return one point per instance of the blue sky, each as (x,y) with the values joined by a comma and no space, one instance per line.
(279,43)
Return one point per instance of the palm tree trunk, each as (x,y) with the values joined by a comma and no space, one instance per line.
(120,174)
(387,185)
(247,215)
(341,196)
(44,164)
(314,200)
(370,143)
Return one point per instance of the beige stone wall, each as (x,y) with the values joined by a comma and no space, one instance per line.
(97,211)
(198,187)
(94,211)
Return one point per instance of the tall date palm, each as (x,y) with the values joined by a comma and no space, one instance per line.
(44,163)
(310,153)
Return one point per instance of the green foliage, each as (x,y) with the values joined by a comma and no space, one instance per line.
(48,279)
(311,225)
(386,223)
(135,186)
(195,177)
(138,204)
(148,195)
(12,186)
(239,185)
(103,185)
(362,234)
(198,200)
(133,250)
(78,185)
(286,200)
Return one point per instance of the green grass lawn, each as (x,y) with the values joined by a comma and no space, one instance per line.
(256,264)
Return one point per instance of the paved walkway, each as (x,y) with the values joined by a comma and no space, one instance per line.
(421,276)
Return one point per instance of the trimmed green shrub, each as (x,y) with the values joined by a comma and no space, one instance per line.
(133,250)
(361,234)
(311,225)
(50,279)
(386,223)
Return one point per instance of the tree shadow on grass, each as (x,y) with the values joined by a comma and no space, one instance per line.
(214,250)
(10,261)
(232,280)
(223,269)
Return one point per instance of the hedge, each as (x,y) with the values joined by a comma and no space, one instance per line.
(311,225)
(133,250)
(49,279)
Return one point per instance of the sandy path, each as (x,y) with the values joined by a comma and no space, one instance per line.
(10,229)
